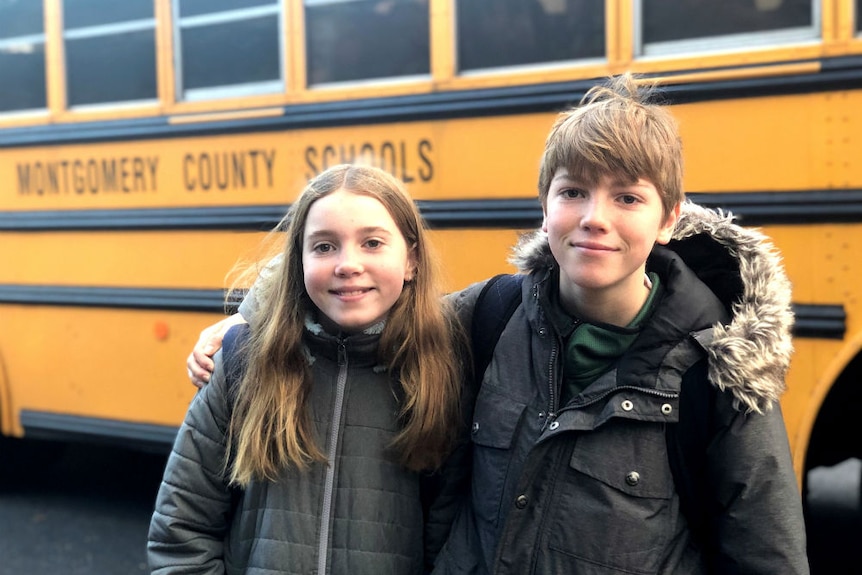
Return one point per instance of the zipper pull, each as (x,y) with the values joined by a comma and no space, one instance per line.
(342,353)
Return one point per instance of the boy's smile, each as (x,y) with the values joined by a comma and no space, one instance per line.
(601,234)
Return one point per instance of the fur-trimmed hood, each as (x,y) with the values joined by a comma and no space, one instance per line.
(749,356)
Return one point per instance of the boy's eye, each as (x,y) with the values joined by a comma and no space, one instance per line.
(571,192)
(629,199)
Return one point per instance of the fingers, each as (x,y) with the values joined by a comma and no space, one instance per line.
(199,364)
(212,337)
(195,381)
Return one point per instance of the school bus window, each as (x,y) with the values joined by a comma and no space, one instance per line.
(228,49)
(525,32)
(859,15)
(670,26)
(22,56)
(350,40)
(200,7)
(110,50)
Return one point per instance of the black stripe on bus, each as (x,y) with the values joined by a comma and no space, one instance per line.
(750,208)
(787,208)
(833,74)
(195,218)
(192,300)
(814,321)
(820,321)
(60,427)
(510,213)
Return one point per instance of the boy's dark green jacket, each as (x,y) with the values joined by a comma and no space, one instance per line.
(586,488)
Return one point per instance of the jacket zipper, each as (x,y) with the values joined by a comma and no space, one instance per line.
(332,450)
(552,387)
(552,376)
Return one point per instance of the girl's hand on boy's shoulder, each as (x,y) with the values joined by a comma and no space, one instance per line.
(199,364)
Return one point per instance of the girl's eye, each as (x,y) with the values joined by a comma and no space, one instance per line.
(373,244)
(323,248)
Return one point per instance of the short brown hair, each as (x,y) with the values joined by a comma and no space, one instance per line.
(616,131)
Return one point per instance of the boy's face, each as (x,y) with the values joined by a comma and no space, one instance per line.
(601,235)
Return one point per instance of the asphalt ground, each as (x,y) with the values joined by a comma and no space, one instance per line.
(85,514)
(88,512)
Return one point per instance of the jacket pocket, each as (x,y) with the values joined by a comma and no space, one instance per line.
(495,420)
(616,507)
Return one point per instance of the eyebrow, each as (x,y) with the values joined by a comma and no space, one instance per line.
(369,230)
(615,182)
(569,180)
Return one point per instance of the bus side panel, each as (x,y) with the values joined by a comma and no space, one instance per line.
(100,362)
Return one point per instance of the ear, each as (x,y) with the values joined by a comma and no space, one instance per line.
(544,219)
(665,232)
(412,264)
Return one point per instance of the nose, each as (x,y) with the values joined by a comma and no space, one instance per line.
(349,262)
(595,215)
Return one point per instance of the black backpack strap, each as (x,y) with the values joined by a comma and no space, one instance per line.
(687,443)
(233,362)
(233,359)
(498,300)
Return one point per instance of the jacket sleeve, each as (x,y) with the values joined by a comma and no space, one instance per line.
(193,505)
(250,304)
(443,494)
(446,490)
(757,520)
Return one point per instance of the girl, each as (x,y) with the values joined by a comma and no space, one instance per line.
(310,459)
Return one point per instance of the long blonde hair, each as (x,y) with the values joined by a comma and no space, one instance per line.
(271,427)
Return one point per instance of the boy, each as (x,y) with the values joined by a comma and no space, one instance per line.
(639,315)
(571,465)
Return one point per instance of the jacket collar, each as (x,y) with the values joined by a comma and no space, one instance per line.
(360,348)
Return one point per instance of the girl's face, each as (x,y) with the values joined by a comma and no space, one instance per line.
(355,260)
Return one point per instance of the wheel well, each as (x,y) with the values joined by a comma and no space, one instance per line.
(835,436)
(5,399)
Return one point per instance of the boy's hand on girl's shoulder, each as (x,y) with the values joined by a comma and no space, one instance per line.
(199,364)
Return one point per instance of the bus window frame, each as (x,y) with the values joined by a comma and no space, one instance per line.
(379,81)
(31,39)
(228,91)
(532,67)
(840,31)
(105,30)
(370,83)
(726,43)
(544,67)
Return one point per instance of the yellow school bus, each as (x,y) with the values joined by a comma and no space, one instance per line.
(145,145)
